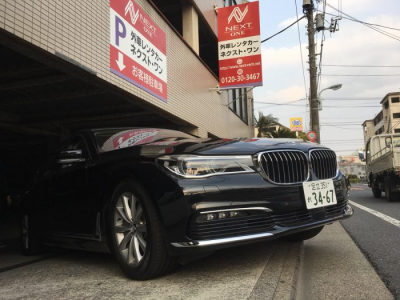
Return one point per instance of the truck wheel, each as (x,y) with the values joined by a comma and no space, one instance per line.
(390,196)
(377,193)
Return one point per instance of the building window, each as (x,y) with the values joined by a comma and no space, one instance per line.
(230,2)
(378,118)
(397,130)
(396,115)
(396,100)
(238,103)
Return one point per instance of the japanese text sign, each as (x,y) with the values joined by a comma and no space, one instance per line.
(239,46)
(296,124)
(138,48)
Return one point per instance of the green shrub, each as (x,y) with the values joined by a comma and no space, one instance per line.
(354,180)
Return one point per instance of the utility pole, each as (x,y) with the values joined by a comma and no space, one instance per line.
(308,9)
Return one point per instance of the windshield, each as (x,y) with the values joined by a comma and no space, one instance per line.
(113,139)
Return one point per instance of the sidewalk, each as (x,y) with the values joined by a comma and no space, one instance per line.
(332,267)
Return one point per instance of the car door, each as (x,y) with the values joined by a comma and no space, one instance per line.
(68,191)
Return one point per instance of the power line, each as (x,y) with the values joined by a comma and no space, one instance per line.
(320,54)
(395,37)
(290,104)
(301,51)
(332,99)
(360,66)
(283,30)
(362,75)
(330,125)
(358,21)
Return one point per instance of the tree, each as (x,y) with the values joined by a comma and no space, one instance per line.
(303,136)
(265,125)
(283,133)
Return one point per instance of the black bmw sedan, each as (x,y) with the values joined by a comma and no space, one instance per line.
(156,197)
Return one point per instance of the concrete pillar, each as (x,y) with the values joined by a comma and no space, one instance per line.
(190,20)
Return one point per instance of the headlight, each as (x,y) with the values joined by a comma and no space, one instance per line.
(191,166)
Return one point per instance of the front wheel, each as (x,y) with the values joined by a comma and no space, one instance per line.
(304,235)
(136,236)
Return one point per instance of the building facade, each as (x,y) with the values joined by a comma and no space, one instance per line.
(352,165)
(57,74)
(78,32)
(387,120)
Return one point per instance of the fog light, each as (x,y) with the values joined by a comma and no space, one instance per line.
(234,213)
(211,217)
(222,215)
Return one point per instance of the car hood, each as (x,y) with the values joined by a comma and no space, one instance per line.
(215,146)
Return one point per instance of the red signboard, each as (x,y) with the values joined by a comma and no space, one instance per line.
(138,48)
(239,46)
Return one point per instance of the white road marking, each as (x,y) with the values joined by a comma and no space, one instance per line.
(377,214)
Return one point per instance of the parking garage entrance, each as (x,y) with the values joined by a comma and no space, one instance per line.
(46,97)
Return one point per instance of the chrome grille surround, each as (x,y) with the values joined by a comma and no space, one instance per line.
(323,163)
(283,167)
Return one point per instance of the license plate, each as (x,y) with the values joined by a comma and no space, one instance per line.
(319,193)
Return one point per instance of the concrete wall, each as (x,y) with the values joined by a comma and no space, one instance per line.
(80,30)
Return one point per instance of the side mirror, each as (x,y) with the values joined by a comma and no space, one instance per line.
(388,142)
(361,156)
(70,157)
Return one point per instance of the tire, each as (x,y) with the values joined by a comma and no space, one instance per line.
(390,196)
(304,235)
(377,193)
(135,233)
(30,244)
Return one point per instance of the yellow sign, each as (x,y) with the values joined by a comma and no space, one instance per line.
(296,124)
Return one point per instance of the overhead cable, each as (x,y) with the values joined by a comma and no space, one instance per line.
(301,51)
(283,30)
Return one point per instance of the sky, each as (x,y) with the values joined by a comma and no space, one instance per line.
(353,44)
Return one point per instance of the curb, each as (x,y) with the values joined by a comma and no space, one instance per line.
(279,279)
(289,279)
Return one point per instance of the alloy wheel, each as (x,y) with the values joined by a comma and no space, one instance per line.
(130,228)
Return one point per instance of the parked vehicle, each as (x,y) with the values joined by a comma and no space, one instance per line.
(157,197)
(383,165)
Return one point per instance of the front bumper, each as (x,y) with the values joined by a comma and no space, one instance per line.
(284,206)
(278,232)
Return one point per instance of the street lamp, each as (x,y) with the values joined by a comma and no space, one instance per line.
(334,87)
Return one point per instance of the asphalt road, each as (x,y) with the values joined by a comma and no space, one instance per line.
(378,239)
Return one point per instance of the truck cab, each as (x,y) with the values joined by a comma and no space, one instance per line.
(382,156)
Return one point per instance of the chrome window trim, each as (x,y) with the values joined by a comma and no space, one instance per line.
(260,168)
